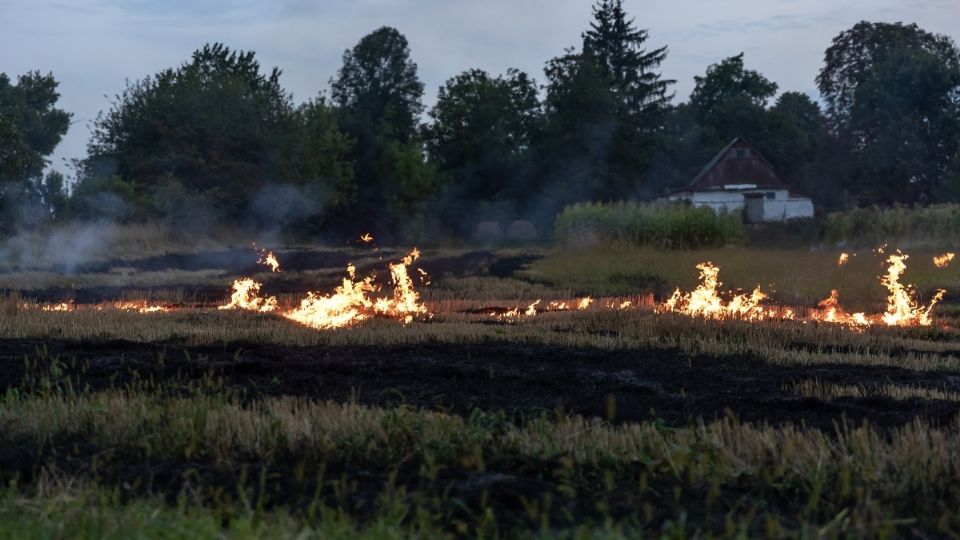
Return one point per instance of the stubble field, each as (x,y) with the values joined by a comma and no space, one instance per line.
(608,421)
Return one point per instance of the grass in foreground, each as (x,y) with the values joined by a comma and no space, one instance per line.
(186,457)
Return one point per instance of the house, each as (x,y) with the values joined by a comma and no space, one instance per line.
(739,179)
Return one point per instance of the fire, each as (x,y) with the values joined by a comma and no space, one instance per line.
(584,303)
(140,306)
(406,300)
(246,295)
(942,261)
(842,260)
(366,238)
(902,309)
(267,258)
(349,304)
(833,313)
(62,306)
(353,301)
(705,302)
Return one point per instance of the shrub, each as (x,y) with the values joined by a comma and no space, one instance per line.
(673,226)
(868,226)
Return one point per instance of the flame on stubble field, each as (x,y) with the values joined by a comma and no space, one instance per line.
(246,295)
(902,309)
(842,260)
(351,303)
(942,261)
(832,312)
(705,301)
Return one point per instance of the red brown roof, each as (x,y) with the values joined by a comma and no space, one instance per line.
(739,163)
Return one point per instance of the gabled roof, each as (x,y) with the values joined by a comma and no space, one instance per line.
(739,163)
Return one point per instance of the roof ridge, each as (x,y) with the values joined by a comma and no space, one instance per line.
(726,149)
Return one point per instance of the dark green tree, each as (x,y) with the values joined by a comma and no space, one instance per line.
(606,107)
(31,127)
(580,125)
(893,93)
(208,137)
(731,101)
(482,134)
(616,45)
(729,84)
(377,86)
(378,96)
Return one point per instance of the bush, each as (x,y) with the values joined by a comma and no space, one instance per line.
(673,227)
(937,224)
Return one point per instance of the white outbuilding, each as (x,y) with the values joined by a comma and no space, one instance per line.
(740,179)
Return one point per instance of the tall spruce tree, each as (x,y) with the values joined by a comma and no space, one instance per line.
(616,45)
(606,106)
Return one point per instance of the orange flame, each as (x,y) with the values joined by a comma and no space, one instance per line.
(267,258)
(62,306)
(942,261)
(842,260)
(705,302)
(833,313)
(902,309)
(366,238)
(140,306)
(353,302)
(246,295)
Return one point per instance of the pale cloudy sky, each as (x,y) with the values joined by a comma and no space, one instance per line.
(92,46)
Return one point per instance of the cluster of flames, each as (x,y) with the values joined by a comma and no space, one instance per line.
(902,307)
(358,299)
(352,302)
(139,306)
(535,308)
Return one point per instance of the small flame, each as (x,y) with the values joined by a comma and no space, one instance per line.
(842,260)
(246,295)
(584,303)
(140,306)
(833,313)
(366,238)
(942,261)
(62,306)
(268,259)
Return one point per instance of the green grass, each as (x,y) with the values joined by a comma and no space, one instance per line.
(323,469)
(793,276)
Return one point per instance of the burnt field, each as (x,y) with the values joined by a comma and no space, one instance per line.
(521,380)
(504,400)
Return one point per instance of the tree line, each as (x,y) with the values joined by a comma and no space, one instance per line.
(218,140)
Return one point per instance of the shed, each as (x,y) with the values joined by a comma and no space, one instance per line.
(740,179)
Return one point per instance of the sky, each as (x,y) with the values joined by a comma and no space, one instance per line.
(94,46)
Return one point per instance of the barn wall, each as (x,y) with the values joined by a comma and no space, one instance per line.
(782,207)
(787,209)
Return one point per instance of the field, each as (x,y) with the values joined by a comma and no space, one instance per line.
(609,421)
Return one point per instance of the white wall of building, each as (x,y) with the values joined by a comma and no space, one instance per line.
(781,207)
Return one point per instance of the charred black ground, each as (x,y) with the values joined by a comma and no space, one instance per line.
(522,380)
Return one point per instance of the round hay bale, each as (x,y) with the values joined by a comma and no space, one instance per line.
(487,231)
(521,231)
